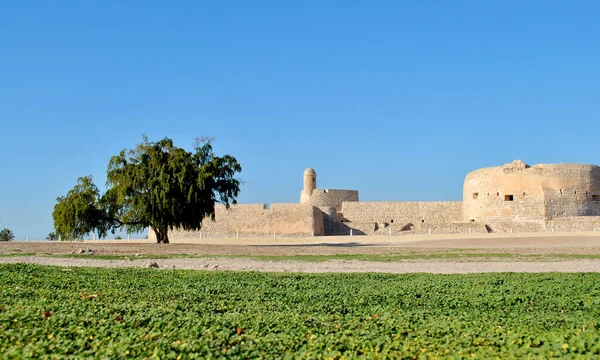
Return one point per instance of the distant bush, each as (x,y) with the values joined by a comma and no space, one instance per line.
(6,235)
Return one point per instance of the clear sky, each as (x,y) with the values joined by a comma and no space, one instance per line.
(397,99)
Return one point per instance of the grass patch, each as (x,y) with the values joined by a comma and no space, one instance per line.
(117,313)
(16,255)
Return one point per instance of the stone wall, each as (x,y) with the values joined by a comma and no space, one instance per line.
(256,220)
(517,192)
(402,213)
(332,198)
(574,224)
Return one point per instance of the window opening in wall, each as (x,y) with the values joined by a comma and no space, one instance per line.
(392,221)
(523,194)
(508,198)
(560,190)
(472,220)
(422,221)
(575,192)
(475,196)
(488,194)
(497,194)
(595,197)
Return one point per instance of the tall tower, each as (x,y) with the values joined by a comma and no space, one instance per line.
(310,184)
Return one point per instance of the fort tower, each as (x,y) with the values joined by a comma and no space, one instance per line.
(310,184)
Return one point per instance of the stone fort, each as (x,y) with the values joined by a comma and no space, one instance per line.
(514,197)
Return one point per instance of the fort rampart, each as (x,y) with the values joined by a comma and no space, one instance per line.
(514,197)
(256,220)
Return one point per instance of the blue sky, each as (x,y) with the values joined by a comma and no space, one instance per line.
(398,99)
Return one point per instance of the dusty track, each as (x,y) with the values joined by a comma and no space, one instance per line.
(545,243)
(587,244)
(237,264)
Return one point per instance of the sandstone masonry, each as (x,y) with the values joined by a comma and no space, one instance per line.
(514,197)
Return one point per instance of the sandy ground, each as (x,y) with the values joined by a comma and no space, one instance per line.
(518,244)
(237,264)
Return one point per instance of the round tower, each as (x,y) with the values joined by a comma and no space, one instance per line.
(310,184)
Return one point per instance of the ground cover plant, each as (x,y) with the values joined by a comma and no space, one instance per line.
(119,313)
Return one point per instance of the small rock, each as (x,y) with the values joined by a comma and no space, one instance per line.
(215,266)
(137,255)
(81,251)
(152,265)
(205,265)
(73,252)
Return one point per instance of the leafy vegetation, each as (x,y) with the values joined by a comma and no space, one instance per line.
(6,235)
(156,184)
(115,313)
(51,236)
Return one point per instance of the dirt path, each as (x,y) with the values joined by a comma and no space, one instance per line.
(238,264)
(544,243)
(575,252)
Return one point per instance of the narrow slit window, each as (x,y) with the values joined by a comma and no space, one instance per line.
(508,198)
(475,196)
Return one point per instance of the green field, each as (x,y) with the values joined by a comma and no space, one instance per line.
(120,313)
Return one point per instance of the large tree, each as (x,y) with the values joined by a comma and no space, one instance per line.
(155,185)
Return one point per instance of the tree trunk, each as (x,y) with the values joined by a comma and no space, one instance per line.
(162,236)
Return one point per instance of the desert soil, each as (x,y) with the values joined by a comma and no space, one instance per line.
(586,244)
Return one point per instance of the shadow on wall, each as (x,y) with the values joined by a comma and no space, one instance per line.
(333,227)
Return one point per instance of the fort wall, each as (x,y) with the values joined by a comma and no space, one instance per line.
(255,220)
(332,198)
(402,213)
(514,197)
(516,192)
(574,224)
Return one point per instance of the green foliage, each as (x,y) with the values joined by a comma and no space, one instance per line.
(114,313)
(51,236)
(78,213)
(6,235)
(156,184)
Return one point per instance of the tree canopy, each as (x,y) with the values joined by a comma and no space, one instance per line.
(6,235)
(155,185)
